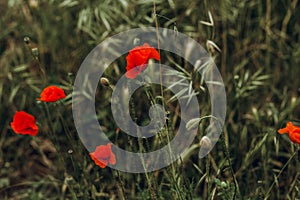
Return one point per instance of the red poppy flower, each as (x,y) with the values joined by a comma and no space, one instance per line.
(52,94)
(24,123)
(138,58)
(103,155)
(293,131)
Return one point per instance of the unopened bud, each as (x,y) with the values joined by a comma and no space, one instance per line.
(293,100)
(33,3)
(205,146)
(205,142)
(26,40)
(212,47)
(223,184)
(136,41)
(104,82)
(254,110)
(35,51)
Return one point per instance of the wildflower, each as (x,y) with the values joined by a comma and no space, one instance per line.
(52,94)
(293,131)
(138,58)
(24,123)
(103,155)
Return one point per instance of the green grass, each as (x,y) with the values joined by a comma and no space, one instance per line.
(259,62)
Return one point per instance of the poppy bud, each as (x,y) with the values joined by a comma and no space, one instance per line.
(35,51)
(27,40)
(104,82)
(205,142)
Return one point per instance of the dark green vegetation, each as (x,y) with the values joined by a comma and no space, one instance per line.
(259,63)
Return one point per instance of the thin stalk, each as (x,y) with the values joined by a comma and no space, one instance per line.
(140,143)
(158,47)
(121,184)
(207,166)
(279,174)
(227,155)
(52,132)
(35,54)
(41,152)
(173,172)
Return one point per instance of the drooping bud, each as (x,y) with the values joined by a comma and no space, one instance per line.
(205,142)
(104,81)
(205,146)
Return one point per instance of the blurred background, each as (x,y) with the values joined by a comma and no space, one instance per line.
(255,45)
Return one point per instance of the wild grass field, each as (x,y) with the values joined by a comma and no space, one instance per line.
(256,47)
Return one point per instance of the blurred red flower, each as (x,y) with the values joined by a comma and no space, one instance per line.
(293,131)
(103,155)
(24,123)
(52,94)
(138,58)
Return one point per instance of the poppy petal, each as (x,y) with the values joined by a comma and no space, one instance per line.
(283,131)
(138,58)
(293,132)
(103,155)
(52,94)
(24,123)
(112,159)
